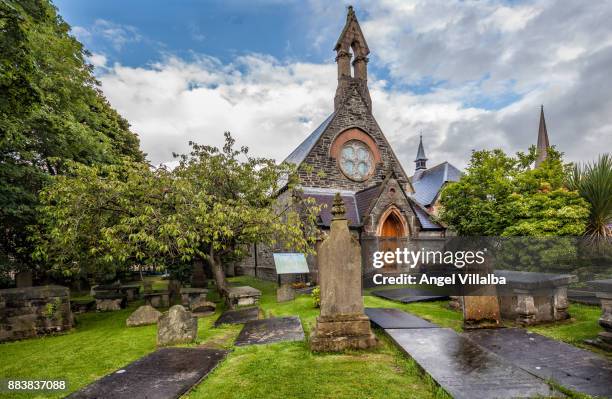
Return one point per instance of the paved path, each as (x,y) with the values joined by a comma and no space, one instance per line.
(464,369)
(574,368)
(164,374)
(461,367)
(395,318)
(272,330)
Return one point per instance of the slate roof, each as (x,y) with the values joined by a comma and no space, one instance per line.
(425,219)
(325,197)
(428,183)
(299,154)
(357,205)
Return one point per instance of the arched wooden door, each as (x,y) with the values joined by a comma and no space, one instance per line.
(390,232)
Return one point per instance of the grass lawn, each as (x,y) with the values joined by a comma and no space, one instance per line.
(101,343)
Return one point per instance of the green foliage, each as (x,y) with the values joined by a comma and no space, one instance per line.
(51,112)
(211,206)
(594,183)
(316,296)
(501,195)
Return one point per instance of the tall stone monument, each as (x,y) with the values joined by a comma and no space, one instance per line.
(342,323)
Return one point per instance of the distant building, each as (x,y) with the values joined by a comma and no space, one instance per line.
(428,183)
(543,144)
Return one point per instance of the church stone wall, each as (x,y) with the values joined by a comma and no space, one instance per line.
(327,174)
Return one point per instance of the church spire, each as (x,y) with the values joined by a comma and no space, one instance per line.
(420,158)
(543,144)
(352,39)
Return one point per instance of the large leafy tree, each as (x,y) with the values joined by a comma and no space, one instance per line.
(501,195)
(51,113)
(212,205)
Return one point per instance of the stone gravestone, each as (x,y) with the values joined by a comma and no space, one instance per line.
(480,305)
(143,316)
(176,326)
(23,279)
(202,307)
(198,275)
(285,293)
(174,291)
(342,323)
(604,293)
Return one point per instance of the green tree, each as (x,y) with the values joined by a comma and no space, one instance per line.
(500,195)
(210,207)
(51,112)
(594,183)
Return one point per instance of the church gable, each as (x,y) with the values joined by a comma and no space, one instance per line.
(352,118)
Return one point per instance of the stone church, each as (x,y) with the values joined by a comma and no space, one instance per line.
(350,154)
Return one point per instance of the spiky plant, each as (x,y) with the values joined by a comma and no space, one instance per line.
(593,181)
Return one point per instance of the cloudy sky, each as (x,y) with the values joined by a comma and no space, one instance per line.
(467,74)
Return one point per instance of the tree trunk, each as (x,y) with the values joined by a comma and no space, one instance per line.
(218,273)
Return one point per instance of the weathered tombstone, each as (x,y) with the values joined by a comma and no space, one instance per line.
(143,316)
(174,291)
(481,305)
(342,323)
(202,307)
(198,276)
(285,293)
(157,299)
(176,326)
(189,295)
(24,279)
(242,296)
(531,298)
(604,293)
(110,301)
(132,291)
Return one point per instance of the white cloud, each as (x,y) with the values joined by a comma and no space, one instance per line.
(543,51)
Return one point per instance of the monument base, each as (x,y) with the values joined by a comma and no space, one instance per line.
(341,332)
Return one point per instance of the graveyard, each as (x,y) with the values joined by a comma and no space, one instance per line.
(215,200)
(290,367)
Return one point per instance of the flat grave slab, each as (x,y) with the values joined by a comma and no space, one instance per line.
(239,316)
(267,331)
(408,295)
(577,369)
(584,296)
(165,373)
(464,369)
(395,318)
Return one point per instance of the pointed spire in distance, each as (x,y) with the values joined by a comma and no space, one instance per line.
(421,159)
(543,144)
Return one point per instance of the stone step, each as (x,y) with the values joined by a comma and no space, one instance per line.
(267,331)
(574,368)
(464,369)
(397,319)
(164,374)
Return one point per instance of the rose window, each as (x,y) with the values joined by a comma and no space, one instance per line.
(356,160)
